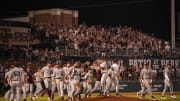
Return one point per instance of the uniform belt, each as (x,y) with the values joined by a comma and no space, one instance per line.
(58,78)
(47,77)
(16,80)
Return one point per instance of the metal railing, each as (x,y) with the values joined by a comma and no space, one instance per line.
(108,53)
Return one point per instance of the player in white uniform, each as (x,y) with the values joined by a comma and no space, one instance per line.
(46,72)
(15,79)
(68,70)
(75,83)
(83,81)
(88,80)
(37,80)
(8,92)
(104,72)
(141,92)
(58,80)
(115,75)
(146,76)
(108,83)
(168,81)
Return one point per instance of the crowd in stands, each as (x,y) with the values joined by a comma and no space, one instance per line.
(105,40)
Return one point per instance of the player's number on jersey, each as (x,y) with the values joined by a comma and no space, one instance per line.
(16,73)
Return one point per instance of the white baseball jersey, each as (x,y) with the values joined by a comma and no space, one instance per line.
(37,77)
(47,71)
(76,73)
(103,67)
(68,71)
(58,73)
(88,76)
(16,74)
(146,73)
(168,74)
(115,69)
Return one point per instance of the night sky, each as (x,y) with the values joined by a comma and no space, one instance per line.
(152,16)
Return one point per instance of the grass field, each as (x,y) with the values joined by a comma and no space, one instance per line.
(157,96)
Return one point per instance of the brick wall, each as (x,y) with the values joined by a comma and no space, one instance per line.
(67,19)
(75,21)
(42,18)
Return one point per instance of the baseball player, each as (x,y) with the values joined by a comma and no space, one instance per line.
(141,92)
(88,79)
(75,83)
(37,80)
(68,69)
(104,70)
(82,80)
(46,73)
(97,79)
(28,85)
(146,77)
(168,81)
(108,82)
(142,86)
(15,78)
(115,75)
(58,80)
(8,92)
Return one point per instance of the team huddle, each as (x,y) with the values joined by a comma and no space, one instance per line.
(74,79)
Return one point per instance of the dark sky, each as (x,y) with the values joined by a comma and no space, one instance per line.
(151,16)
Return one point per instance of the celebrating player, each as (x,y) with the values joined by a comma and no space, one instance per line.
(58,82)
(38,80)
(146,76)
(16,77)
(168,81)
(46,75)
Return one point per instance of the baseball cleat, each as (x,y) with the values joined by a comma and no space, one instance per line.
(137,93)
(49,99)
(141,97)
(163,98)
(173,96)
(33,97)
(117,94)
(36,96)
(153,98)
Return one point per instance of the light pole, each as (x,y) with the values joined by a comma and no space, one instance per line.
(173,39)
